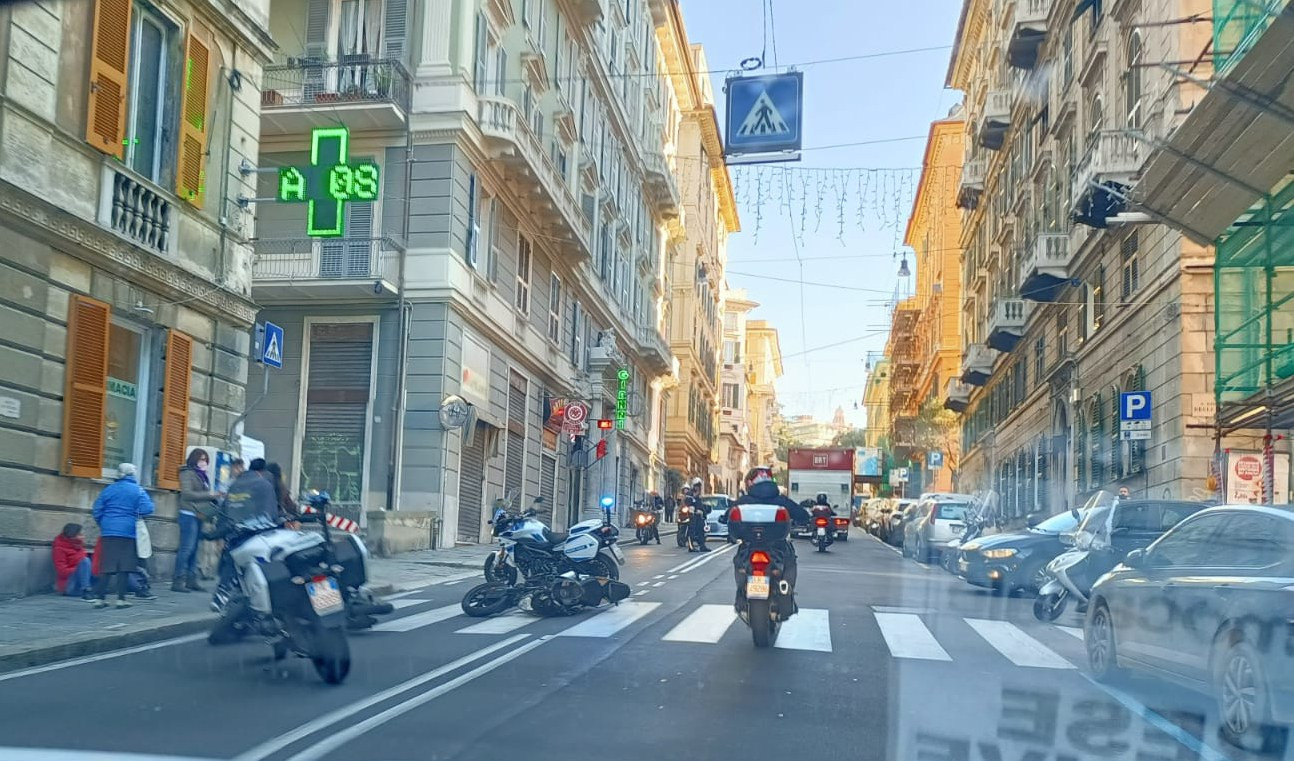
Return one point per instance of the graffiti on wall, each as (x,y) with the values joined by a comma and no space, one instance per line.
(334,462)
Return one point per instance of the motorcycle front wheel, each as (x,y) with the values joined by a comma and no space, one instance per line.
(763,629)
(643,536)
(681,537)
(486,599)
(1049,607)
(501,573)
(331,656)
(601,566)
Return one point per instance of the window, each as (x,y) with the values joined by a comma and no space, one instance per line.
(1067,55)
(482,49)
(554,308)
(1095,123)
(125,424)
(730,352)
(1096,442)
(1248,540)
(148,128)
(500,71)
(577,336)
(730,322)
(1132,83)
(1189,544)
(1062,335)
(1039,359)
(492,250)
(471,252)
(1098,299)
(528,102)
(523,274)
(731,396)
(1130,267)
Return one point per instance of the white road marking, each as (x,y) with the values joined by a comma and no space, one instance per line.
(659,576)
(896,609)
(1202,749)
(708,557)
(641,593)
(274,745)
(1072,631)
(1018,647)
(452,583)
(658,584)
(673,576)
(499,624)
(407,602)
(456,577)
(608,623)
(344,736)
(644,583)
(906,636)
(810,629)
(419,620)
(101,657)
(706,624)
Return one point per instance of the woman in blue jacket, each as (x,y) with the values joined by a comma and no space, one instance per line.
(119,506)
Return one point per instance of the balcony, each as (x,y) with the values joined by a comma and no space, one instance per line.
(1028,33)
(1006,323)
(655,350)
(359,92)
(957,396)
(136,209)
(977,365)
(995,120)
(509,140)
(1046,267)
(314,269)
(972,184)
(1112,159)
(661,187)
(590,11)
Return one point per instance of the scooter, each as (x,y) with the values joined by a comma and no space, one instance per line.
(646,528)
(1068,578)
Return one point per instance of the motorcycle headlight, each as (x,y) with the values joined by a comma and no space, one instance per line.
(1001,554)
(642,519)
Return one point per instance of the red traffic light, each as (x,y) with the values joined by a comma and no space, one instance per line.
(601,449)
(606,425)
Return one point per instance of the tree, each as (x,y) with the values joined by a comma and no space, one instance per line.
(855,437)
(938,429)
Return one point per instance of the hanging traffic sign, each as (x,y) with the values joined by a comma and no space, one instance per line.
(764,114)
(272,346)
(573,419)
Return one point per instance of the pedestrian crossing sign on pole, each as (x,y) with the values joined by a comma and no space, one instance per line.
(764,116)
(272,346)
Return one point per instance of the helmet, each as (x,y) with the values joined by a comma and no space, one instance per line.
(759,474)
(822,498)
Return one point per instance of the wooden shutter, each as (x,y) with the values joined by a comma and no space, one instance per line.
(175,409)
(85,398)
(394,30)
(190,178)
(105,123)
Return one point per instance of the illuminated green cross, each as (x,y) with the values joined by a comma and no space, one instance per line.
(328,183)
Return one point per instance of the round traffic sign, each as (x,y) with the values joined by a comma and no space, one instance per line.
(576,412)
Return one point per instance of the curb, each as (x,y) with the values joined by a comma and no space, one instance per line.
(39,656)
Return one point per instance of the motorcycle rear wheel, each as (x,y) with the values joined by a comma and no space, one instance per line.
(331,656)
(763,629)
(486,599)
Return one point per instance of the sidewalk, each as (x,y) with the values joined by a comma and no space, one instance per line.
(45,628)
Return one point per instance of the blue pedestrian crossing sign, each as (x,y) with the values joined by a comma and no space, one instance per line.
(272,346)
(763,113)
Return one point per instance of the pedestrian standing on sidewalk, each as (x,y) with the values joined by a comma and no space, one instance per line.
(669,509)
(71,563)
(119,506)
(197,505)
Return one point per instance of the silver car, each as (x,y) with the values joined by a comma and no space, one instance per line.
(716,506)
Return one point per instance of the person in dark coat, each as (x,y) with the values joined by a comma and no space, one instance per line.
(696,527)
(119,506)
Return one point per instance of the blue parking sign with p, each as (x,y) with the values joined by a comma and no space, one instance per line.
(1134,405)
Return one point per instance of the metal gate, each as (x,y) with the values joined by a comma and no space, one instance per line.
(548,485)
(471,486)
(337,400)
(515,457)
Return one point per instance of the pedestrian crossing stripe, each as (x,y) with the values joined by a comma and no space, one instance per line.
(764,119)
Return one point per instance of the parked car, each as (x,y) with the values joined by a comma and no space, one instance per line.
(904,511)
(1016,560)
(1208,606)
(716,506)
(939,520)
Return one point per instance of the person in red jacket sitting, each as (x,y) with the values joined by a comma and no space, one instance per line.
(71,563)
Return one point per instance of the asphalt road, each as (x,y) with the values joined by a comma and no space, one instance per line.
(888,659)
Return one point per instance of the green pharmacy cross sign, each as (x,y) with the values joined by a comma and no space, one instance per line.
(330,182)
(622,398)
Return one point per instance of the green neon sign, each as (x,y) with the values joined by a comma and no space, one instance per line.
(622,398)
(329,183)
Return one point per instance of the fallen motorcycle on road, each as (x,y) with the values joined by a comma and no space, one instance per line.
(562,595)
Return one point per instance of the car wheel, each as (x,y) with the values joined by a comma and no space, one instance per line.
(1098,636)
(1242,697)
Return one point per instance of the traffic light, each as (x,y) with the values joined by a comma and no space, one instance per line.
(601,450)
(606,425)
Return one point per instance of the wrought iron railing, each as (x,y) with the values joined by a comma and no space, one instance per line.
(298,259)
(355,78)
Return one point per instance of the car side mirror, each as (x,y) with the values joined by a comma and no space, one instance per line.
(1136,559)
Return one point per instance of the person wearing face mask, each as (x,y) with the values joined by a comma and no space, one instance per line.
(197,504)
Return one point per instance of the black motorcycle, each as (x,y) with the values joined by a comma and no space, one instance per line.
(547,595)
(768,599)
(824,533)
(645,527)
(684,519)
(315,587)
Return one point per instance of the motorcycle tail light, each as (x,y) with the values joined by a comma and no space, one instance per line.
(759,562)
(735,514)
(319,579)
(782,515)
(820,522)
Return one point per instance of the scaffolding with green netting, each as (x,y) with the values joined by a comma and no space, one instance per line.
(1254,301)
(1237,25)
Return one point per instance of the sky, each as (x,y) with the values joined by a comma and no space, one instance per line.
(875,99)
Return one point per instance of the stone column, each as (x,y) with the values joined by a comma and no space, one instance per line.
(434,50)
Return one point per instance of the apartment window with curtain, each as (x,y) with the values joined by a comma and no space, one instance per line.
(523,274)
(732,396)
(479,62)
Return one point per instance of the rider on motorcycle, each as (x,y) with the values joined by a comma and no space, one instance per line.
(761,489)
(250,502)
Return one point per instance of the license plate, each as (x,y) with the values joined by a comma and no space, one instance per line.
(822,532)
(617,554)
(325,597)
(757,587)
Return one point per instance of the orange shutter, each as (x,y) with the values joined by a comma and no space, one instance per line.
(175,409)
(190,177)
(105,126)
(85,398)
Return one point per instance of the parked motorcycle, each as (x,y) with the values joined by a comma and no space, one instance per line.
(314,587)
(546,595)
(1068,577)
(528,546)
(769,597)
(646,527)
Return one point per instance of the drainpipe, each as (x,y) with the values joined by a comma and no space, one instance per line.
(393,479)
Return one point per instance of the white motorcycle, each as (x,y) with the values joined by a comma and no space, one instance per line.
(528,546)
(1068,579)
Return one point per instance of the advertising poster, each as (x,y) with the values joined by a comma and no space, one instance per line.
(1244,478)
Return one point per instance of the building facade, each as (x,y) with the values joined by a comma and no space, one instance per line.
(514,255)
(876,401)
(1071,295)
(695,260)
(735,448)
(764,366)
(125,255)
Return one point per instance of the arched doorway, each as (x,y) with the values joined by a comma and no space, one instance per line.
(1059,472)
